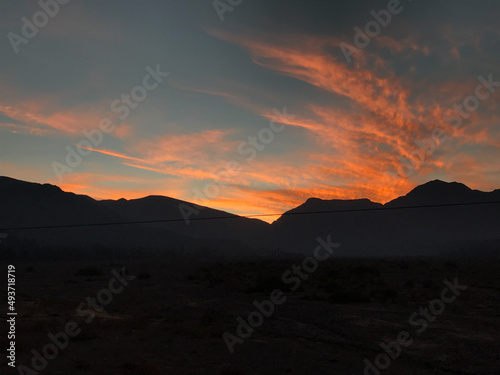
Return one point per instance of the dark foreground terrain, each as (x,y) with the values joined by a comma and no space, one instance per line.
(171,318)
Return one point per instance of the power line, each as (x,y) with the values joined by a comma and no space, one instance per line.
(244,216)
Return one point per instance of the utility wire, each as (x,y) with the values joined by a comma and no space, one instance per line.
(245,216)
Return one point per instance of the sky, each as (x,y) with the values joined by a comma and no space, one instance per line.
(251,107)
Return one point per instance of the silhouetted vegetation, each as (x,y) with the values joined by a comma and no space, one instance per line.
(89,271)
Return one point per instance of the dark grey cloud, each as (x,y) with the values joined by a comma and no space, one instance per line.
(4,119)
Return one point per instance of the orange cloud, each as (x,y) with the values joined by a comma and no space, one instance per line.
(358,143)
(309,62)
(111,153)
(190,148)
(43,116)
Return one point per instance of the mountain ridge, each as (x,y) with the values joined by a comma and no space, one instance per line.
(403,232)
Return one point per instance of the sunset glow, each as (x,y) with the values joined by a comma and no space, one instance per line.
(374,128)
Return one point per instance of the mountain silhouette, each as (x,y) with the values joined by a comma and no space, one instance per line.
(204,222)
(24,204)
(440,192)
(407,225)
(398,227)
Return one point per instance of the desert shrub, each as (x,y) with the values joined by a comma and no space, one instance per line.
(332,272)
(265,284)
(229,370)
(384,294)
(429,284)
(332,286)
(450,264)
(388,293)
(348,297)
(311,296)
(139,369)
(211,317)
(366,270)
(89,271)
(404,265)
(211,276)
(143,276)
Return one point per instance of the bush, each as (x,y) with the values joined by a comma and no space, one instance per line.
(228,370)
(429,284)
(143,276)
(332,286)
(89,271)
(388,293)
(348,297)
(265,284)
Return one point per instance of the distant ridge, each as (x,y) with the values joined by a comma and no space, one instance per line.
(375,232)
(398,232)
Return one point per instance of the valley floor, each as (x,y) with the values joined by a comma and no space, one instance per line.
(171,318)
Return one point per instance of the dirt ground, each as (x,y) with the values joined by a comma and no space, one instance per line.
(171,318)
